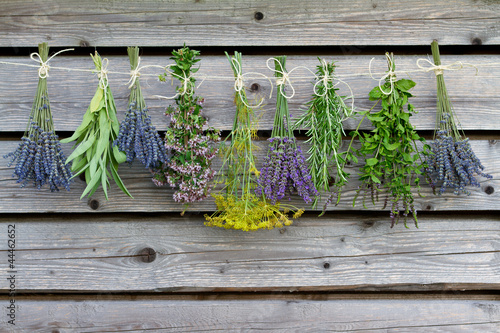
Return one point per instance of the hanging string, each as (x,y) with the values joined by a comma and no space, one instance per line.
(187,85)
(239,83)
(43,70)
(438,70)
(391,74)
(135,73)
(283,81)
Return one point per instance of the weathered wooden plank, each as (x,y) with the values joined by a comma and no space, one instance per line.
(149,198)
(256,23)
(475,97)
(76,253)
(289,315)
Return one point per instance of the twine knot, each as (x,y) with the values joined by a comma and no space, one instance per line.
(43,70)
(391,74)
(439,69)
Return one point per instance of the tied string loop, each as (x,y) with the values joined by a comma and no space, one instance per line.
(103,82)
(239,84)
(135,73)
(438,70)
(325,80)
(187,85)
(284,80)
(43,70)
(391,74)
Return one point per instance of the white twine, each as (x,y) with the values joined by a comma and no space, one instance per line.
(438,70)
(43,70)
(239,83)
(135,73)
(187,88)
(103,81)
(285,79)
(391,74)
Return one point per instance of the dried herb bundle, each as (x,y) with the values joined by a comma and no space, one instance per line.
(189,170)
(237,205)
(323,118)
(452,163)
(95,155)
(137,136)
(392,160)
(285,170)
(39,157)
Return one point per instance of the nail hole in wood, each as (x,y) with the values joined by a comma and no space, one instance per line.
(492,142)
(255,87)
(94,204)
(489,190)
(368,224)
(282,231)
(366,262)
(326,265)
(51,272)
(147,255)
(55,331)
(428,207)
(84,43)
(374,5)
(477,41)
(342,239)
(258,16)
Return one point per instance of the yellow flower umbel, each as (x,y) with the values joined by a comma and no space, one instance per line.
(238,207)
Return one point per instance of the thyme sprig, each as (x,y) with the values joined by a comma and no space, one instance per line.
(324,116)
(452,163)
(393,161)
(95,155)
(39,157)
(188,137)
(237,205)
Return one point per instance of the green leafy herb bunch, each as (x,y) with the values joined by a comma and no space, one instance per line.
(95,154)
(323,118)
(39,157)
(188,137)
(393,162)
(238,207)
(452,163)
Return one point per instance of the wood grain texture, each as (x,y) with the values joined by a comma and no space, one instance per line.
(73,253)
(408,315)
(150,198)
(474,97)
(229,23)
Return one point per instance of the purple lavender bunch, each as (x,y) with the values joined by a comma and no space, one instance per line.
(39,157)
(452,163)
(137,136)
(285,170)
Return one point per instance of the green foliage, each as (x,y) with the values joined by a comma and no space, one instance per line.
(323,118)
(95,155)
(392,160)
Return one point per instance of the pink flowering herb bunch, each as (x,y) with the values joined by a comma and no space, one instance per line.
(284,171)
(188,139)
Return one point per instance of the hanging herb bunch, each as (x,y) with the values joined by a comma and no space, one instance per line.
(39,157)
(452,163)
(284,170)
(237,205)
(188,138)
(323,118)
(95,154)
(137,136)
(392,160)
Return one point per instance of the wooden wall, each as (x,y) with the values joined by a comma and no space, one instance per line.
(136,265)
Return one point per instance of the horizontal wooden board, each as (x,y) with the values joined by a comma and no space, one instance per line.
(79,253)
(343,315)
(150,198)
(243,23)
(475,97)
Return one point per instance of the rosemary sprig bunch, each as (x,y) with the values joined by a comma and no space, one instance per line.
(237,205)
(188,138)
(137,136)
(285,170)
(95,155)
(39,157)
(323,118)
(392,160)
(452,163)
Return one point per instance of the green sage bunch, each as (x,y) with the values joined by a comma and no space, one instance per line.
(392,160)
(94,153)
